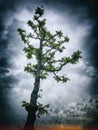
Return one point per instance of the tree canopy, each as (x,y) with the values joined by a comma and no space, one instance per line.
(45,54)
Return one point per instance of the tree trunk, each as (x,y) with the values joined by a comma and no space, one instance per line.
(31,118)
(32,107)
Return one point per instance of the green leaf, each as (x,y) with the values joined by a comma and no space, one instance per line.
(31,69)
(39,11)
(75,57)
(59,33)
(62,78)
(66,39)
(24,104)
(21,30)
(42,109)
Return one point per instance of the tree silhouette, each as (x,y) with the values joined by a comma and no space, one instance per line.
(46,62)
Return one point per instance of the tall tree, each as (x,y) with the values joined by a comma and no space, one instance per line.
(46,61)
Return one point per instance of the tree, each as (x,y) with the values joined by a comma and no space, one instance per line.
(46,62)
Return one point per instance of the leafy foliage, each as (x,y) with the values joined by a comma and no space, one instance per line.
(24,104)
(42,109)
(49,45)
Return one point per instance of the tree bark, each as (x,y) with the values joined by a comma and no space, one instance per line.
(32,107)
(31,118)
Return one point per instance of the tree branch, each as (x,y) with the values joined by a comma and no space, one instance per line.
(55,69)
(56,45)
(56,76)
(53,47)
(31,36)
(50,38)
(60,78)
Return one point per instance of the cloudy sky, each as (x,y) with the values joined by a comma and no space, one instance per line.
(78,20)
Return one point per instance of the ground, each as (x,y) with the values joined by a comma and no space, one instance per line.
(56,127)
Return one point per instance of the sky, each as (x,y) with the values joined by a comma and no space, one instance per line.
(78,19)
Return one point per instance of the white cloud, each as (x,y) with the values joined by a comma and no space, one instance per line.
(75,89)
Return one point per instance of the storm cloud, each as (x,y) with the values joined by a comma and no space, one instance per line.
(77,20)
